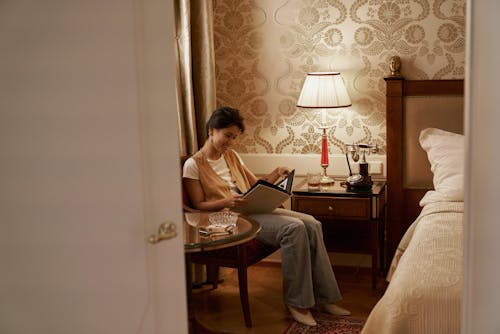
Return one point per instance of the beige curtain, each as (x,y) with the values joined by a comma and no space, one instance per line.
(196,70)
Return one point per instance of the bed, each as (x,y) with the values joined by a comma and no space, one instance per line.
(425,161)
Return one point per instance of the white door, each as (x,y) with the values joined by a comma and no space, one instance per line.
(89,168)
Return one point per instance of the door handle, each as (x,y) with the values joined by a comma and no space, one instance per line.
(166,231)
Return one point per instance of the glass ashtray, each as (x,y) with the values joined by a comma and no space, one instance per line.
(220,224)
(222,220)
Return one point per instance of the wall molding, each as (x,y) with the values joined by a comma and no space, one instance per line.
(262,163)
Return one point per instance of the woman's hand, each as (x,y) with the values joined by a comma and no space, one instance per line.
(234,201)
(282,171)
(277,174)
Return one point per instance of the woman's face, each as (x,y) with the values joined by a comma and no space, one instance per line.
(222,139)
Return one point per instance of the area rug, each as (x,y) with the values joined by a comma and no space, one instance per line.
(328,324)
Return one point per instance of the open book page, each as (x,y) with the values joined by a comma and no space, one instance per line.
(264,197)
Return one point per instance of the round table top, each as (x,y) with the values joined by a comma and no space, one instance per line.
(194,241)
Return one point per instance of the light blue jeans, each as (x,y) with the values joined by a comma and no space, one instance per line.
(308,277)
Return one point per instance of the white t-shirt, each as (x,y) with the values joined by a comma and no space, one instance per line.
(219,166)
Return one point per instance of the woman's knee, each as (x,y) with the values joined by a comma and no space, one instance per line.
(311,221)
(307,219)
(295,226)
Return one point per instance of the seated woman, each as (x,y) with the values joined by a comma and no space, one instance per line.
(215,178)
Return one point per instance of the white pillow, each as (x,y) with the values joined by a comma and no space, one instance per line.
(446,154)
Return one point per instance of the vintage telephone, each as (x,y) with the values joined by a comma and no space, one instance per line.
(361,181)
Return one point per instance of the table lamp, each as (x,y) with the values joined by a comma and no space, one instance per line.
(324,90)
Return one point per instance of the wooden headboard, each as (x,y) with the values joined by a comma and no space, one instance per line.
(413,105)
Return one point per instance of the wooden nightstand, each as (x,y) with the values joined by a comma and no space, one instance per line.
(353,222)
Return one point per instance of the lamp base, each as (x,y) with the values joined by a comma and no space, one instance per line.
(326,181)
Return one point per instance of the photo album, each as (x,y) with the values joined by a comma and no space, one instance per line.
(264,197)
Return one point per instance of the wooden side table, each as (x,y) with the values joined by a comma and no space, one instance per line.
(236,250)
(353,221)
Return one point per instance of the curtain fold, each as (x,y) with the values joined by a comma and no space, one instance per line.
(196,70)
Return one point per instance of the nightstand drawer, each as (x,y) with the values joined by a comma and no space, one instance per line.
(348,207)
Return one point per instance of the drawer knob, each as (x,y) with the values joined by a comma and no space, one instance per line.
(330,208)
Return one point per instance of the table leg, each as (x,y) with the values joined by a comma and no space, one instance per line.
(189,283)
(375,249)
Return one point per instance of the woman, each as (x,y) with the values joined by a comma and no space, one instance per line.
(215,178)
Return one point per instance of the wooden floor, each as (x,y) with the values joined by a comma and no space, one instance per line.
(219,311)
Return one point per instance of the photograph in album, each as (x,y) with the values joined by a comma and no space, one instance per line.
(264,197)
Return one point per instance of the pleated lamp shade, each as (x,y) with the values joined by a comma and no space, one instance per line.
(323,90)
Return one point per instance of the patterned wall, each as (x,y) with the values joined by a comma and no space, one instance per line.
(264,48)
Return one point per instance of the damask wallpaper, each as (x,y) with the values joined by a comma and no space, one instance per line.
(264,48)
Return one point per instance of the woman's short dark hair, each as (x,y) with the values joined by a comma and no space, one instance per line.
(225,117)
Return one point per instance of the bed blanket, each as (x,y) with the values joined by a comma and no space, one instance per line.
(425,290)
